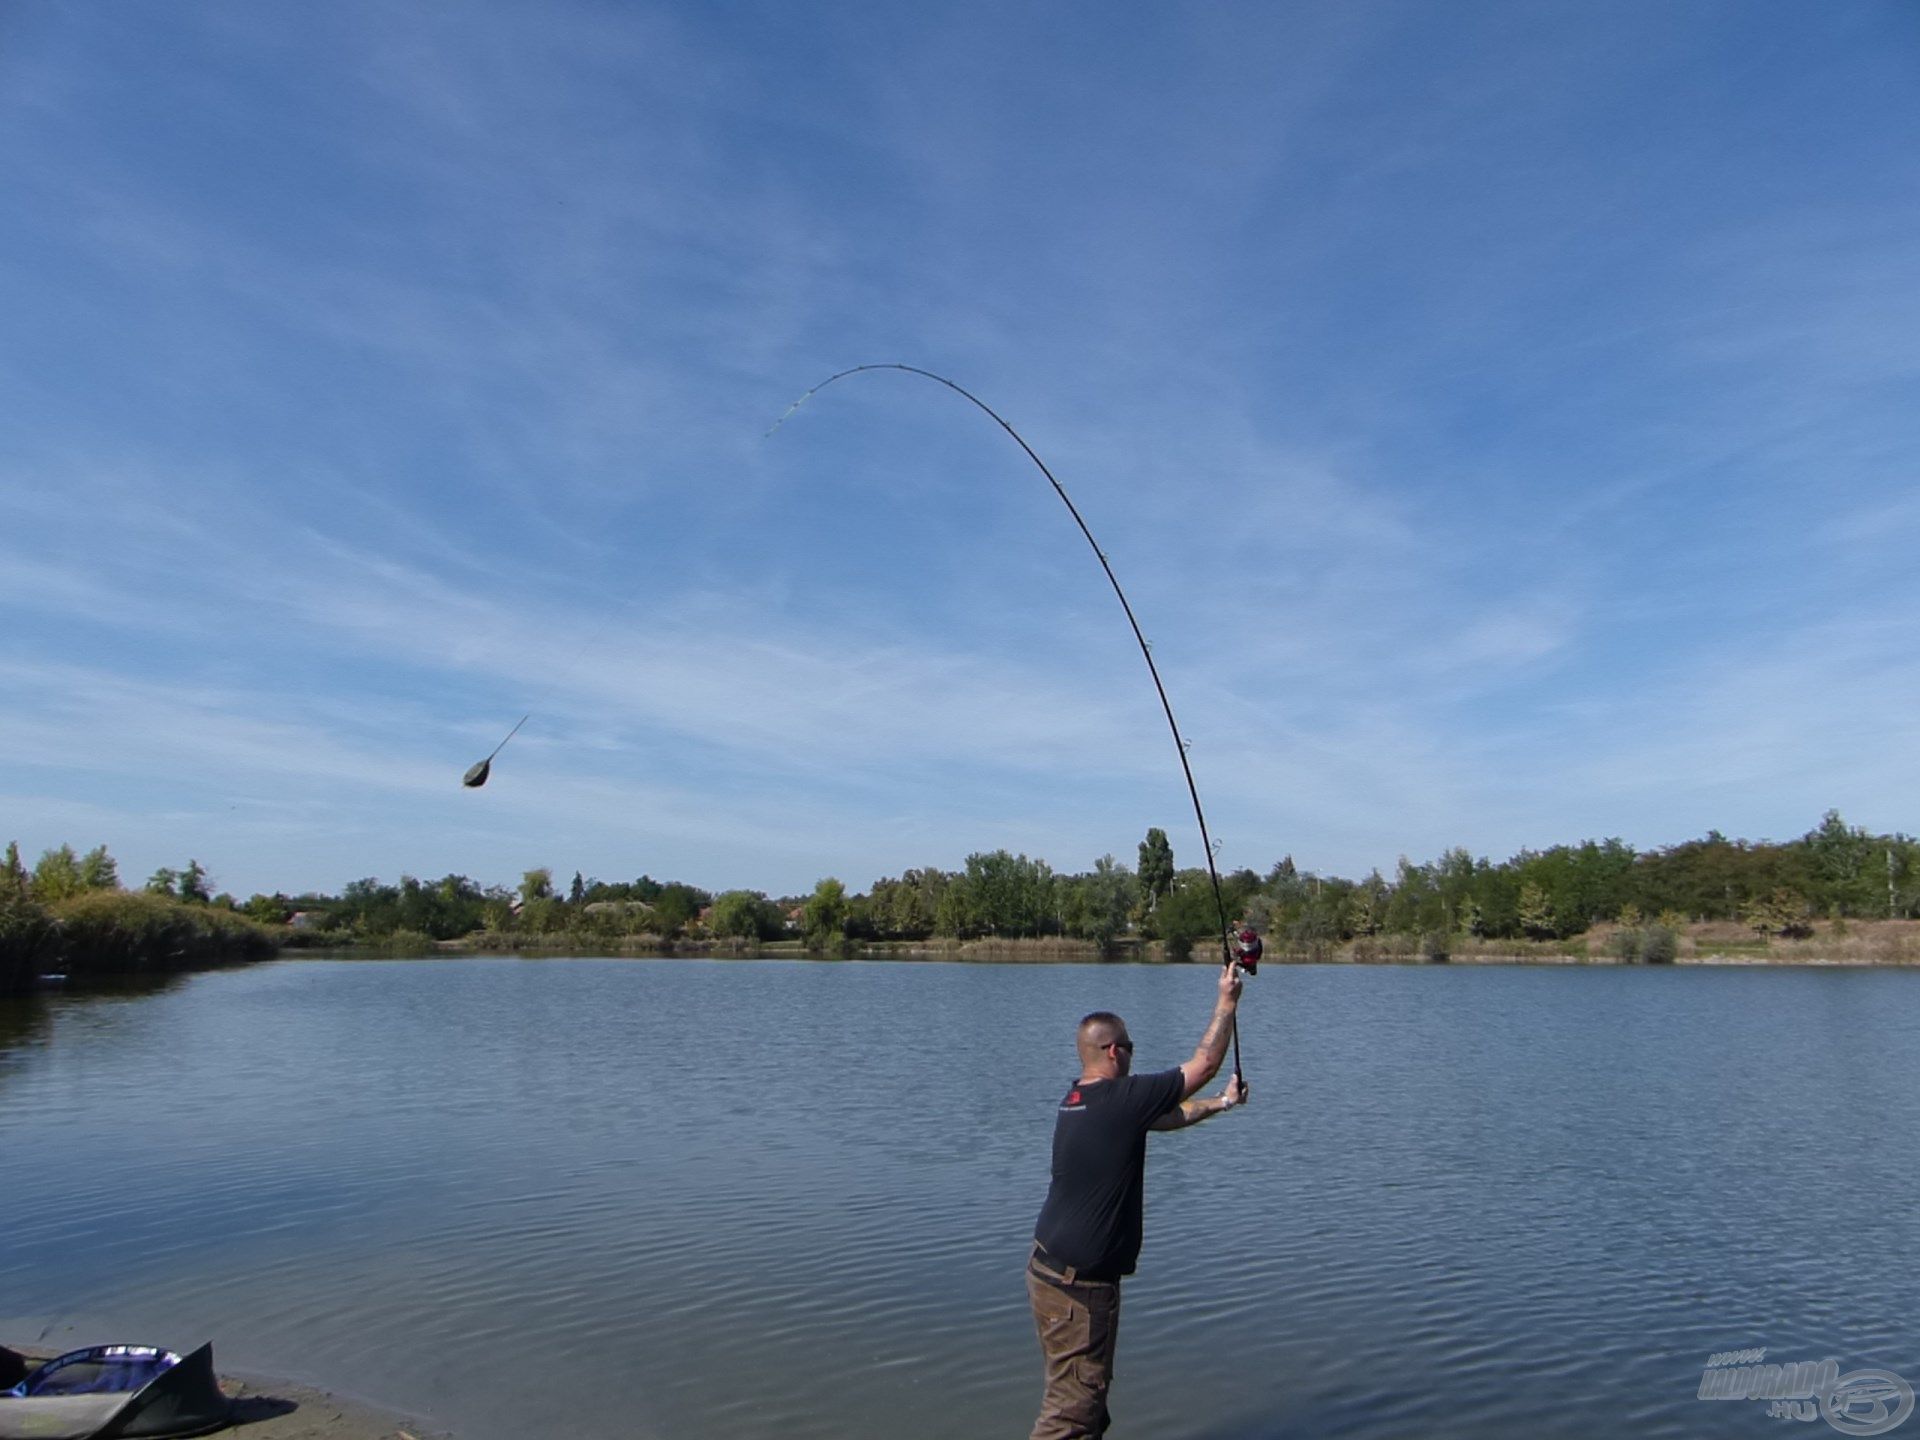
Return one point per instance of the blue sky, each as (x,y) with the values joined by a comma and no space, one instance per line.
(1502,416)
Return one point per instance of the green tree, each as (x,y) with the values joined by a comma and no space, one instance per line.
(1453,876)
(957,914)
(163,881)
(536,885)
(1536,912)
(1414,902)
(1012,895)
(1111,893)
(194,889)
(577,895)
(57,876)
(1554,875)
(1238,888)
(267,909)
(1319,924)
(98,870)
(745,915)
(441,909)
(368,908)
(1186,913)
(1780,912)
(542,915)
(13,875)
(1842,860)
(1095,906)
(676,907)
(1367,906)
(825,918)
(1156,867)
(907,908)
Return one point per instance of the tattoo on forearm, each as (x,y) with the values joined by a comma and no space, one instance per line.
(1192,1112)
(1214,1042)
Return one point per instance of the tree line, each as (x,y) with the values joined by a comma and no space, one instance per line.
(1834,871)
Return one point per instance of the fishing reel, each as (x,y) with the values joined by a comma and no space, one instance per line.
(1247,950)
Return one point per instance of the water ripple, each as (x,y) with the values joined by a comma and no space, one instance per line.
(1499,1203)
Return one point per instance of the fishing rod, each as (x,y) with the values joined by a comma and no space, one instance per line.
(1146,650)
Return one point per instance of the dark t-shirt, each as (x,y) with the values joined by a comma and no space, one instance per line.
(1091,1220)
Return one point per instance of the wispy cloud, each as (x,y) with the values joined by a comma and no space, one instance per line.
(1501,430)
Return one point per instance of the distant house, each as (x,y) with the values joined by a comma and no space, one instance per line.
(305,920)
(797,918)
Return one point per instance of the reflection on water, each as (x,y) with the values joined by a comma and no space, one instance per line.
(730,1199)
(26,1021)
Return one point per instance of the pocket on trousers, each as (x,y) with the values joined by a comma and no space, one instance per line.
(1092,1374)
(1063,1325)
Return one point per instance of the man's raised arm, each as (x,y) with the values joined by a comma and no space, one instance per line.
(1212,1049)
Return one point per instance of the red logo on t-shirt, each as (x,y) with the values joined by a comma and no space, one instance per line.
(1073,1097)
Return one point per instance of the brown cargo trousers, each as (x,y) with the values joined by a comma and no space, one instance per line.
(1078,1321)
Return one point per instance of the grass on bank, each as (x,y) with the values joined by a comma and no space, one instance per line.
(117,932)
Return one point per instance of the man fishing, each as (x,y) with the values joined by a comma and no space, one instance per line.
(1088,1235)
(1089,1230)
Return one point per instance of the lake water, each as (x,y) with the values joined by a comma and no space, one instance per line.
(614,1198)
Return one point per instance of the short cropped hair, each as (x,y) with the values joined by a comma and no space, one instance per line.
(1096,1032)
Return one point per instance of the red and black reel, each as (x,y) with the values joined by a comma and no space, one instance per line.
(1247,950)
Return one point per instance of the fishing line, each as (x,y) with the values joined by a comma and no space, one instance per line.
(1146,649)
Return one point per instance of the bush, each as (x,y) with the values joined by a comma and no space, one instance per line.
(746,915)
(1436,947)
(1626,944)
(1659,945)
(114,932)
(1399,946)
(1312,936)
(29,939)
(1781,914)
(405,942)
(1186,914)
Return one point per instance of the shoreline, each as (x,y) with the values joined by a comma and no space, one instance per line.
(271,1408)
(1890,944)
(1054,952)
